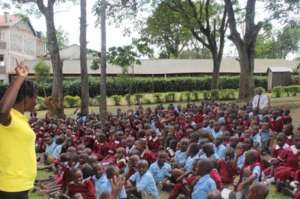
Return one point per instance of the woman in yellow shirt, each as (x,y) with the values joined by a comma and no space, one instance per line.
(17,139)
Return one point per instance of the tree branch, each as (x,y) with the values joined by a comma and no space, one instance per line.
(41,6)
(235,35)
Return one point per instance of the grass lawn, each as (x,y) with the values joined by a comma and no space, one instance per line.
(293,103)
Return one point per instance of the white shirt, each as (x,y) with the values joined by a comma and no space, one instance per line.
(263,102)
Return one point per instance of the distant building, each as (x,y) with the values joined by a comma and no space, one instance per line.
(160,67)
(18,40)
(279,76)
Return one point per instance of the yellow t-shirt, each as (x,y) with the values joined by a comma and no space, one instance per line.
(17,154)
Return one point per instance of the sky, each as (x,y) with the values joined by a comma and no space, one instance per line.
(67,17)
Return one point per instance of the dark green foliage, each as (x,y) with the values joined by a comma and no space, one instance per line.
(158,98)
(277,91)
(170,97)
(138,99)
(122,86)
(215,94)
(71,101)
(117,99)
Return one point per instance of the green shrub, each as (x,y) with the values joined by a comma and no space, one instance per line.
(117,99)
(138,99)
(41,103)
(187,96)
(128,99)
(206,95)
(147,101)
(215,94)
(227,94)
(277,91)
(292,90)
(170,97)
(261,89)
(158,98)
(196,96)
(71,101)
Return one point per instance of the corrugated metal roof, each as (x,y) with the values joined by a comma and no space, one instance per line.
(172,66)
(278,69)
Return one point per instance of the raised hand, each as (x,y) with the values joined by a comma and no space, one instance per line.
(117,184)
(22,70)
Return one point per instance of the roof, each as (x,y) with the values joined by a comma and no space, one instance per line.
(171,66)
(71,52)
(280,69)
(12,19)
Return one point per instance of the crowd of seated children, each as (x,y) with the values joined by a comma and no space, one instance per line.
(195,151)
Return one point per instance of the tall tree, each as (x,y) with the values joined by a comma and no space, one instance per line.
(207,21)
(83,61)
(117,10)
(164,29)
(47,10)
(245,46)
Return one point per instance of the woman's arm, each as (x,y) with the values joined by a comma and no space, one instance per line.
(9,98)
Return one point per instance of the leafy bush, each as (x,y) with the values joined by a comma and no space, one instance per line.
(292,90)
(147,101)
(227,94)
(206,95)
(187,96)
(215,94)
(40,103)
(117,99)
(71,101)
(158,98)
(170,97)
(128,99)
(138,99)
(123,85)
(196,96)
(277,91)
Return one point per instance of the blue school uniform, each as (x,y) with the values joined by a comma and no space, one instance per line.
(189,163)
(103,184)
(240,162)
(158,173)
(212,157)
(203,187)
(220,150)
(145,183)
(180,158)
(54,149)
(217,134)
(256,140)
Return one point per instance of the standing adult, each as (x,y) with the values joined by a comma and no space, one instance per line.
(260,101)
(17,139)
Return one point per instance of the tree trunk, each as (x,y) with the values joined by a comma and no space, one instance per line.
(216,72)
(103,104)
(57,65)
(83,61)
(246,54)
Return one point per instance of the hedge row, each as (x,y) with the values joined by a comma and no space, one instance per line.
(125,85)
(280,91)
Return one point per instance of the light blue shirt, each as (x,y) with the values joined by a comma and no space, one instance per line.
(189,163)
(208,129)
(145,183)
(158,173)
(54,149)
(212,157)
(220,150)
(257,140)
(240,161)
(180,158)
(103,184)
(203,187)
(257,172)
(217,134)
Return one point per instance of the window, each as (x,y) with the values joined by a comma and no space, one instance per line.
(2,36)
(1,60)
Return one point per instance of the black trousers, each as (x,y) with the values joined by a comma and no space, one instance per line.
(14,195)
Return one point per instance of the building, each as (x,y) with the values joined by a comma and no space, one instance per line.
(160,67)
(18,41)
(279,76)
